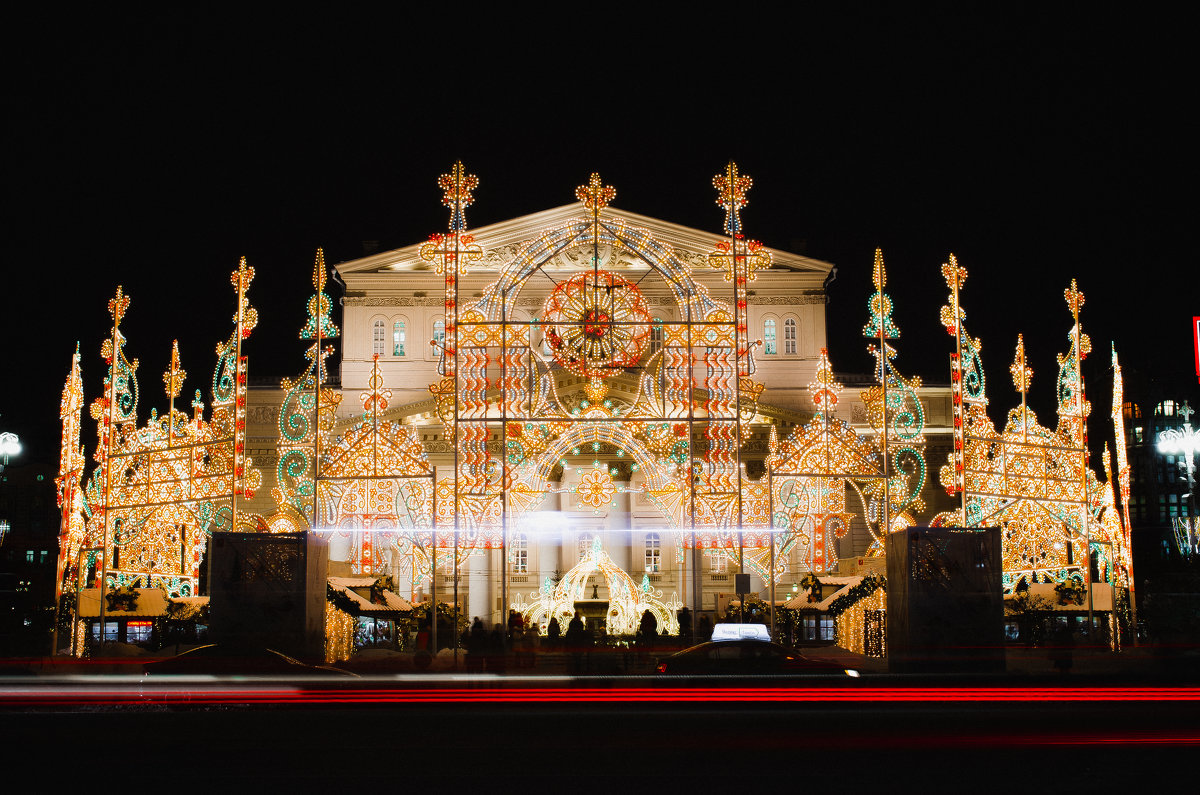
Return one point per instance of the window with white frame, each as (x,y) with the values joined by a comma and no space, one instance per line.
(377,338)
(789,336)
(769,347)
(520,554)
(399,337)
(585,544)
(718,561)
(653,553)
(439,332)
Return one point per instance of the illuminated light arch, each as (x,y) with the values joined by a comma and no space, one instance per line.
(580,232)
(627,601)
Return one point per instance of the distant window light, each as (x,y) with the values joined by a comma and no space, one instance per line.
(769,337)
(377,338)
(1165,409)
(789,336)
(399,335)
(1131,411)
(718,561)
(29,556)
(653,552)
(520,554)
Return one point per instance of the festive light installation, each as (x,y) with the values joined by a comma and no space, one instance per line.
(305,416)
(810,474)
(626,601)
(898,420)
(1032,482)
(597,327)
(376,489)
(157,491)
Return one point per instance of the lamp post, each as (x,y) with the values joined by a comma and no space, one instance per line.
(10,444)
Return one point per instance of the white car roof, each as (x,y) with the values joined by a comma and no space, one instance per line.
(741,632)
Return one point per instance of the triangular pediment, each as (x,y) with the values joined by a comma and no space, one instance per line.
(501,240)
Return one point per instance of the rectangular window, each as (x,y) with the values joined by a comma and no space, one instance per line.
(828,631)
(789,336)
(653,555)
(769,337)
(718,561)
(138,631)
(29,556)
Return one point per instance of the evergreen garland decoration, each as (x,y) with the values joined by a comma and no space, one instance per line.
(869,585)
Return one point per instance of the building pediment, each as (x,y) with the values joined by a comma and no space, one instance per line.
(501,241)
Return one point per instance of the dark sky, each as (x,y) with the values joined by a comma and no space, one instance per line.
(1037,145)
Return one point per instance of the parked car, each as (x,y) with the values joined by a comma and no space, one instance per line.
(748,658)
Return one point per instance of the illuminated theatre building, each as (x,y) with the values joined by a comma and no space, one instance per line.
(582,408)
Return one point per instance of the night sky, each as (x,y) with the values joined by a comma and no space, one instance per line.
(154,150)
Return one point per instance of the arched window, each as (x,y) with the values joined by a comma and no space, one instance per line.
(769,347)
(519,556)
(653,553)
(377,338)
(439,332)
(789,336)
(399,338)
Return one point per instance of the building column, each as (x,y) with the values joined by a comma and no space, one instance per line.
(618,540)
(478,596)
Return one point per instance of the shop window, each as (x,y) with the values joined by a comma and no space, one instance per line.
(138,631)
(110,631)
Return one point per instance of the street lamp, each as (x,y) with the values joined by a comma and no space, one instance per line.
(10,444)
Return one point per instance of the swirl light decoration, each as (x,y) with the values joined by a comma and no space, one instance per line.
(305,416)
(898,420)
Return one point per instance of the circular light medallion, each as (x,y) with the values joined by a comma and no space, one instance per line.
(597,324)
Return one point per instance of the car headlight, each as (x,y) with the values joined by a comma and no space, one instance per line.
(851,672)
